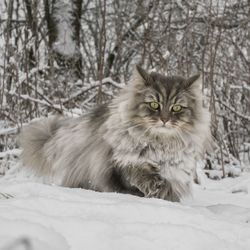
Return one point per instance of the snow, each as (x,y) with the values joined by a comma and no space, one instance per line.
(53,217)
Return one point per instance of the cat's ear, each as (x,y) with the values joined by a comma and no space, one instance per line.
(141,76)
(194,81)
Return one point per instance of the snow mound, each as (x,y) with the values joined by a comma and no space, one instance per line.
(29,235)
(52,217)
(231,212)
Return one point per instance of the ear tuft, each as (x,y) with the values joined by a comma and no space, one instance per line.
(195,81)
(143,76)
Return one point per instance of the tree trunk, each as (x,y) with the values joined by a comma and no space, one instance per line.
(63,19)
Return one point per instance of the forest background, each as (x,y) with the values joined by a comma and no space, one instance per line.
(64,57)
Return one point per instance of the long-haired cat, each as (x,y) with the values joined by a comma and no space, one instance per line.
(144,142)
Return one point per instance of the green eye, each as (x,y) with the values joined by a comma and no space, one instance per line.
(176,108)
(154,105)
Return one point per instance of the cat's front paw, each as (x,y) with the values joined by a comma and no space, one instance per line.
(159,187)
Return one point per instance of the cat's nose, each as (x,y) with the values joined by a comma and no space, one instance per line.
(164,119)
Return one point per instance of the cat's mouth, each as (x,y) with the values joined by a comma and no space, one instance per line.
(163,128)
(166,126)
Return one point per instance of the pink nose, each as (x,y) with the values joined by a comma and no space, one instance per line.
(164,119)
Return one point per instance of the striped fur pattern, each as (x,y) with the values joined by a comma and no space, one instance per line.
(125,146)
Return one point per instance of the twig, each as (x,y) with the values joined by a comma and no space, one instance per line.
(234,111)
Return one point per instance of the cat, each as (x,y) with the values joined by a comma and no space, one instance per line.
(144,142)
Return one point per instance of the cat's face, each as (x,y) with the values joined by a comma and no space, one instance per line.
(164,105)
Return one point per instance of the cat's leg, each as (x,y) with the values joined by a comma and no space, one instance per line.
(149,181)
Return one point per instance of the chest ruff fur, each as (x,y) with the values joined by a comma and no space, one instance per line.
(174,161)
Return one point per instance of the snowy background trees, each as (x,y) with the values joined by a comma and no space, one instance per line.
(63,56)
(66,56)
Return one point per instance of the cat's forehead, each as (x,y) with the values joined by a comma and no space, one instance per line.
(167,85)
(168,82)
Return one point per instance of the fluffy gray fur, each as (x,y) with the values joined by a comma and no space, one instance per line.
(126,146)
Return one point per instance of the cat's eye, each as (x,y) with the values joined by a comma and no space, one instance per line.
(176,108)
(154,105)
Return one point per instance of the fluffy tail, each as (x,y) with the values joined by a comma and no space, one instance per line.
(33,139)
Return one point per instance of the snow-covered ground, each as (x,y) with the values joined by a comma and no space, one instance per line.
(35,216)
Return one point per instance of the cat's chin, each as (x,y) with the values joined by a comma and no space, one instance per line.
(162,130)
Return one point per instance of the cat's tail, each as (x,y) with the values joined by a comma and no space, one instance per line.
(33,139)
